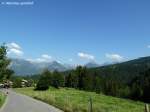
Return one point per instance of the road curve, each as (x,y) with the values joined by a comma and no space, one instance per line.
(20,103)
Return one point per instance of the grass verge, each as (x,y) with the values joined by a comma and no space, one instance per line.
(71,100)
(2,98)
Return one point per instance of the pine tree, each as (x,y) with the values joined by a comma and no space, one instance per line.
(68,80)
(81,74)
(58,79)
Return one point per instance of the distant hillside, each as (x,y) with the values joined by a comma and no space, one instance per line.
(91,65)
(124,71)
(25,67)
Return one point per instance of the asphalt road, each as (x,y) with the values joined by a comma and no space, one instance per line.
(20,103)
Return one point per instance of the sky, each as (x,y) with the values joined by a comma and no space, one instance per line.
(76,31)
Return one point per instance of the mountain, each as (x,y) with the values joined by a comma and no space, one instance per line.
(124,71)
(25,67)
(91,65)
(56,66)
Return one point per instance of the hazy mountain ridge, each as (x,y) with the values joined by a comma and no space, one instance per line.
(25,67)
(91,65)
(125,69)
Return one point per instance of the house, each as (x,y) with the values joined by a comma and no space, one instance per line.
(1,85)
(24,83)
(6,84)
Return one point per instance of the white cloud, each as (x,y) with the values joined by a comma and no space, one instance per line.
(43,58)
(114,57)
(47,57)
(86,56)
(148,46)
(14,49)
(13,45)
(15,52)
(70,59)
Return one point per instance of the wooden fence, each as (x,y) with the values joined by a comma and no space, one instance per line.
(147,108)
(90,107)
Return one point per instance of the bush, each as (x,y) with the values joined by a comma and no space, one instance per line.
(17,83)
(44,81)
(41,85)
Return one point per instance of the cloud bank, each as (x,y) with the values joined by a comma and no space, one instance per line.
(114,57)
(43,58)
(86,56)
(14,49)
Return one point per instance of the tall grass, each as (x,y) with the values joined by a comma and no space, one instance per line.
(2,98)
(71,100)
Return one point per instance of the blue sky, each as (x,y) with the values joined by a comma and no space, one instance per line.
(77,31)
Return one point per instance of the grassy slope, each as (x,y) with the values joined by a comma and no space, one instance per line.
(2,98)
(71,100)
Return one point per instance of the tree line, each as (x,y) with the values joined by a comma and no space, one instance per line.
(82,79)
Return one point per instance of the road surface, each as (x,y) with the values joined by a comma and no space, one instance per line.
(20,103)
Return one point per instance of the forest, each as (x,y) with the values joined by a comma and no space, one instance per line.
(83,79)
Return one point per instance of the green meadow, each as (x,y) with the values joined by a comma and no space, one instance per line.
(72,100)
(2,98)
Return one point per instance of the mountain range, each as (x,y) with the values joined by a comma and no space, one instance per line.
(124,70)
(26,67)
